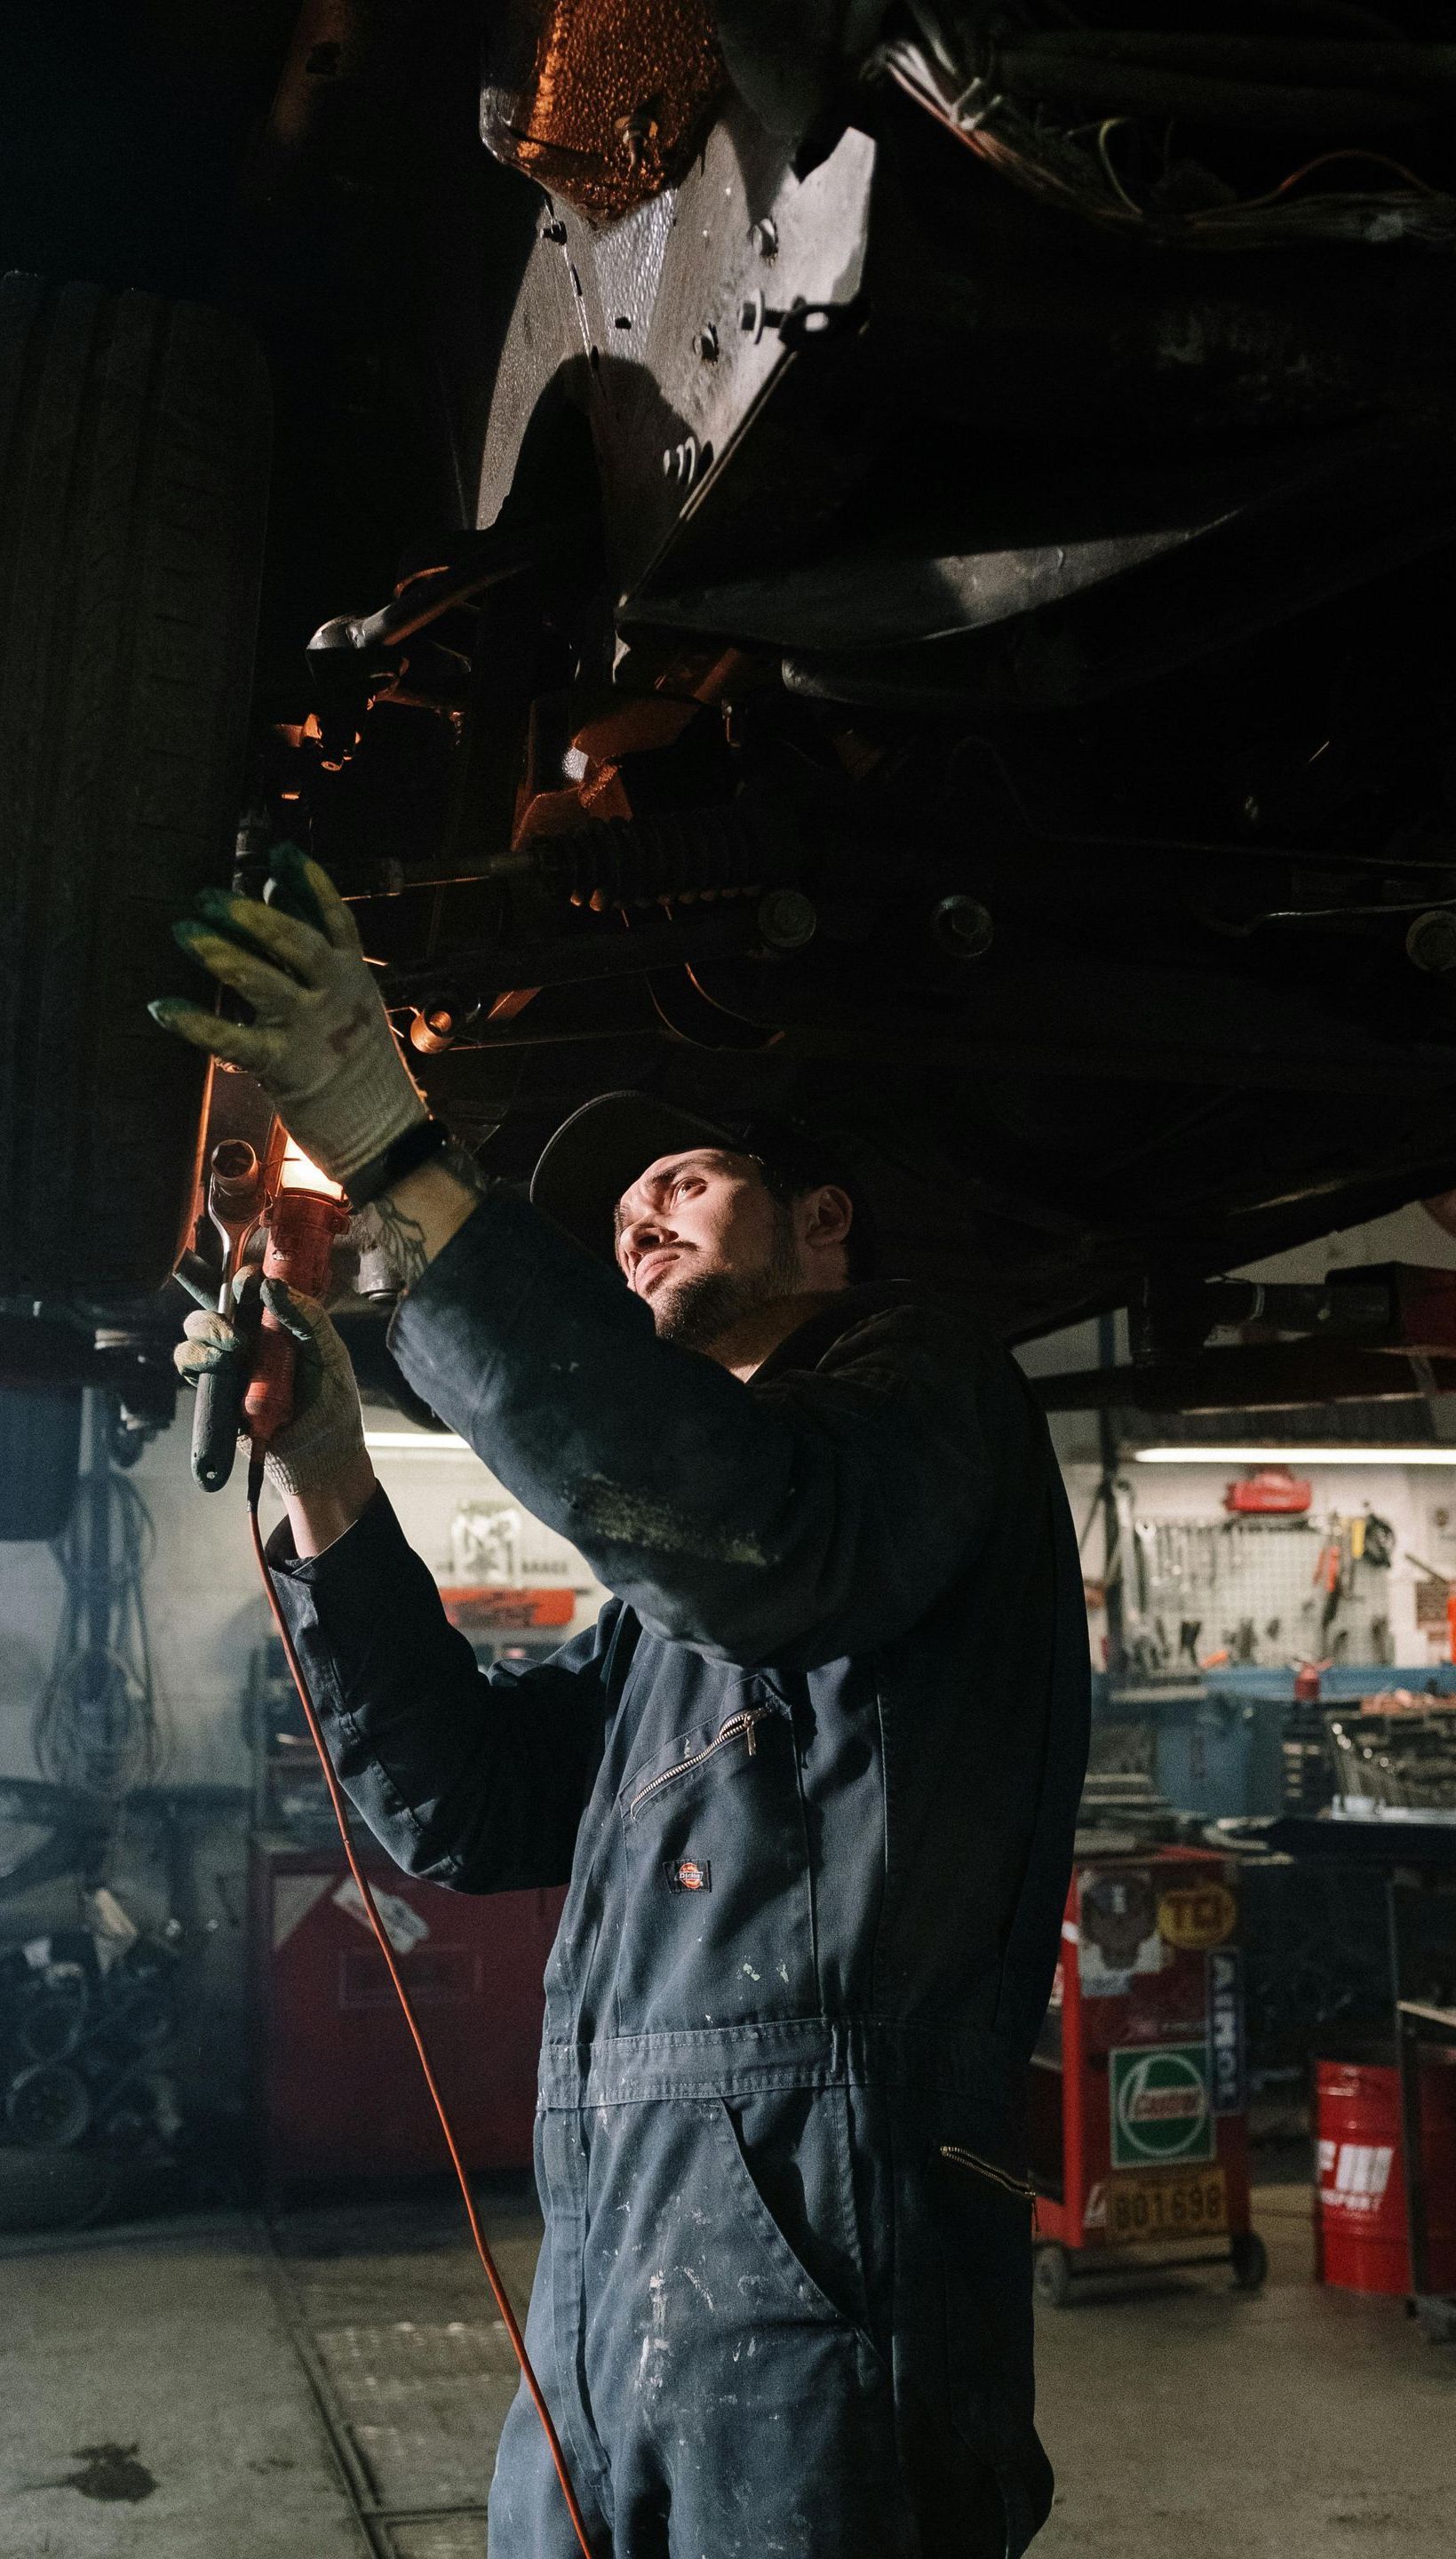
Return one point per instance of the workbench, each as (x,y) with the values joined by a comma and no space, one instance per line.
(1217,1736)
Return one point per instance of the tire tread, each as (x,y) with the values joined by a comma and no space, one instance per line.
(133,462)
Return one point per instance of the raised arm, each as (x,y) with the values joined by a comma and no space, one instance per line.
(790,1521)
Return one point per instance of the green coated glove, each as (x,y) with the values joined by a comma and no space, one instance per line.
(320,1042)
(326,1428)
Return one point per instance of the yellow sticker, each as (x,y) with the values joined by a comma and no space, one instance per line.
(1197,1914)
(1194,2205)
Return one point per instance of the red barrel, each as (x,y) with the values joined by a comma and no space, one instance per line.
(1362,2186)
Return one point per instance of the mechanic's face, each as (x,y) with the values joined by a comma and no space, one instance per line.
(704,1243)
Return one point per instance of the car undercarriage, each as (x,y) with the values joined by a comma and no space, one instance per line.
(898,576)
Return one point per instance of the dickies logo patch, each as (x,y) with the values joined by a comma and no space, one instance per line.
(689,1875)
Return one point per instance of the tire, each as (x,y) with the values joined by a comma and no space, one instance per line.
(47,2189)
(48,2106)
(133,487)
(1052,2277)
(1250,2259)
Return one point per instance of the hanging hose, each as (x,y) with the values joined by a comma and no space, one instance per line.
(366,1893)
(98,1726)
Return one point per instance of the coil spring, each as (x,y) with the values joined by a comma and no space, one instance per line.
(680,856)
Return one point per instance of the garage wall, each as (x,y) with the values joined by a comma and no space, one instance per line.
(1418,1501)
(204,1609)
(30,1608)
(205,1615)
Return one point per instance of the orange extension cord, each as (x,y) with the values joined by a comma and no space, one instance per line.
(492,2278)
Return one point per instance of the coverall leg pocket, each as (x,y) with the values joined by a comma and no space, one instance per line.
(787,2157)
(732,2372)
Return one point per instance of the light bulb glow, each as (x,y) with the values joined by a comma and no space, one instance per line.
(418,1444)
(1353,1455)
(298,1174)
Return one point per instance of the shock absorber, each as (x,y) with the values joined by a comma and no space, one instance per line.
(669,856)
(672,855)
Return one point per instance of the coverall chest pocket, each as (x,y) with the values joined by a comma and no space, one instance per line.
(719,1922)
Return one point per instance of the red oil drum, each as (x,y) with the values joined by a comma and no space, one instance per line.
(1361,2187)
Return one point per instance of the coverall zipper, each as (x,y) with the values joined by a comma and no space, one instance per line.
(737,1725)
(983,2167)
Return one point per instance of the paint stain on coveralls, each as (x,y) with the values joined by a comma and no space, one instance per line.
(627,1517)
(654,2347)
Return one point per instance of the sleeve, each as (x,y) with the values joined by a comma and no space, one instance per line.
(786,1522)
(471,1778)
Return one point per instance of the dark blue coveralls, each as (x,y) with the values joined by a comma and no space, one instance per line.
(812,1779)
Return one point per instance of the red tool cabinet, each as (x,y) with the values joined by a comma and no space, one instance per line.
(338,2085)
(1139,2130)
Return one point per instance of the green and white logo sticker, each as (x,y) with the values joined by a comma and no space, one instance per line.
(1161,2112)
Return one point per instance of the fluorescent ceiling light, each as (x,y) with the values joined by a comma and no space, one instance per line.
(418,1444)
(1354,1454)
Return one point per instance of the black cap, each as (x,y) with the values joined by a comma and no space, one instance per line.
(599,1152)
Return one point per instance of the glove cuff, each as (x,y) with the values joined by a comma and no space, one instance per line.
(405,1154)
(361,1116)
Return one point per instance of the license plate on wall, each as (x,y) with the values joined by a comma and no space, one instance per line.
(1191,2205)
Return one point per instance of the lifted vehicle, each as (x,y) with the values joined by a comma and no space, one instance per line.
(894,569)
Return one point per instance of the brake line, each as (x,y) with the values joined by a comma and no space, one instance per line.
(366,1893)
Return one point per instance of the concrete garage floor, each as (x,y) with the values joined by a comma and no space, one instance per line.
(193,2392)
(149,2402)
(1195,2422)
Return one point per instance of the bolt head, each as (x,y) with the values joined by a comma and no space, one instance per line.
(1431,941)
(435,1028)
(788,918)
(962,927)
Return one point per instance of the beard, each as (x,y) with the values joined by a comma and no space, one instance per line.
(700,1308)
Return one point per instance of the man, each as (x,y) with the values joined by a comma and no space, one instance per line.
(811,1778)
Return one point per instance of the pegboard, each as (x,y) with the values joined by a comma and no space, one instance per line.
(1254,1589)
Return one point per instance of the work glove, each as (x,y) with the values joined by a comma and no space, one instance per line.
(326,1428)
(320,1042)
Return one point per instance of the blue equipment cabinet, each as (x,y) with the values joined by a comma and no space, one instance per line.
(1216,1739)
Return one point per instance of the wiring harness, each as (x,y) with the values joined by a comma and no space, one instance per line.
(1065,112)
